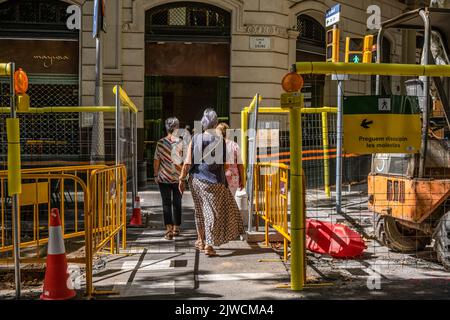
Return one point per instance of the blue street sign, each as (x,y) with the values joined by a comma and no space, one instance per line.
(332,16)
(99,14)
(95,22)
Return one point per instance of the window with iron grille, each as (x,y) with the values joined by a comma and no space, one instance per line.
(33,17)
(44,136)
(187,19)
(310,31)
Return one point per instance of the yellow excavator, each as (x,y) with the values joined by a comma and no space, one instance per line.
(410,194)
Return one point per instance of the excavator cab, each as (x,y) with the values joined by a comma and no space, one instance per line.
(410,193)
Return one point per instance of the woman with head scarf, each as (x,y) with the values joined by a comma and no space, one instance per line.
(167,167)
(217,215)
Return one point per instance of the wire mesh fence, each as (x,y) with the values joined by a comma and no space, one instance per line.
(400,210)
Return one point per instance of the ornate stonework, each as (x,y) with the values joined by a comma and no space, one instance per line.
(264,29)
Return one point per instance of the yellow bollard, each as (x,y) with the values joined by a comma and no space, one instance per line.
(14,172)
(294,103)
(244,146)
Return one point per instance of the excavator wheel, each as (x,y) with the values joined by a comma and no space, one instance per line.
(379,229)
(398,237)
(441,238)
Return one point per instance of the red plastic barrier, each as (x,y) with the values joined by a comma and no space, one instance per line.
(337,240)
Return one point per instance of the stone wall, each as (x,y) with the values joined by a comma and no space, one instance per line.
(251,71)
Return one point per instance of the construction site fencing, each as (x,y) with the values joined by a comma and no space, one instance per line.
(396,201)
(92,205)
(106,224)
(319,143)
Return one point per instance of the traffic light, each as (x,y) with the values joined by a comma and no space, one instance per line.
(354,49)
(358,49)
(368,47)
(23,102)
(21,88)
(333,37)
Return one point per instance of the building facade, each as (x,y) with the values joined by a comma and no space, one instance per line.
(178,57)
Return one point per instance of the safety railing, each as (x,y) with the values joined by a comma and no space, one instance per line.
(271,199)
(65,188)
(92,205)
(107,215)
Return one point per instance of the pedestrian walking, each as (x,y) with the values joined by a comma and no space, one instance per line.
(217,215)
(167,167)
(234,169)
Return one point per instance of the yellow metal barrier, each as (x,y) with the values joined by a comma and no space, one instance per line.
(107,215)
(62,109)
(271,199)
(125,99)
(41,193)
(98,192)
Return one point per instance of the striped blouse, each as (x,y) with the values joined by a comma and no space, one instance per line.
(170,155)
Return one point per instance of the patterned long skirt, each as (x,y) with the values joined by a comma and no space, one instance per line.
(217,215)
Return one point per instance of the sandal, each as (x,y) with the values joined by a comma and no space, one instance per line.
(176,232)
(168,235)
(210,252)
(199,245)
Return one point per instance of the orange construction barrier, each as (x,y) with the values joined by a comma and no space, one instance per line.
(57,283)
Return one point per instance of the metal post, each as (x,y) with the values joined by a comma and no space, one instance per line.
(15,197)
(426,86)
(379,59)
(98,140)
(117,155)
(298,221)
(134,157)
(326,155)
(339,145)
(249,163)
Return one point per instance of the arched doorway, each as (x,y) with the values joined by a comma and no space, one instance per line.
(34,35)
(187,66)
(311,47)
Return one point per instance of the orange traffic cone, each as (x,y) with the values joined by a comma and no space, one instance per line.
(136,219)
(57,284)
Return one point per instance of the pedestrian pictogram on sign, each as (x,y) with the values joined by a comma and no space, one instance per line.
(384,104)
(374,124)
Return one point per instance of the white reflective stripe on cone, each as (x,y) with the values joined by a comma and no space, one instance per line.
(56,245)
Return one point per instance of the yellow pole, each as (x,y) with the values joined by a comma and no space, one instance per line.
(14,172)
(244,146)
(382,69)
(304,110)
(63,109)
(298,222)
(326,155)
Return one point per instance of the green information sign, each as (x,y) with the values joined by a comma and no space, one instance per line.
(382,124)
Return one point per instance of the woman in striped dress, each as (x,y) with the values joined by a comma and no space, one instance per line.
(217,215)
(167,166)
